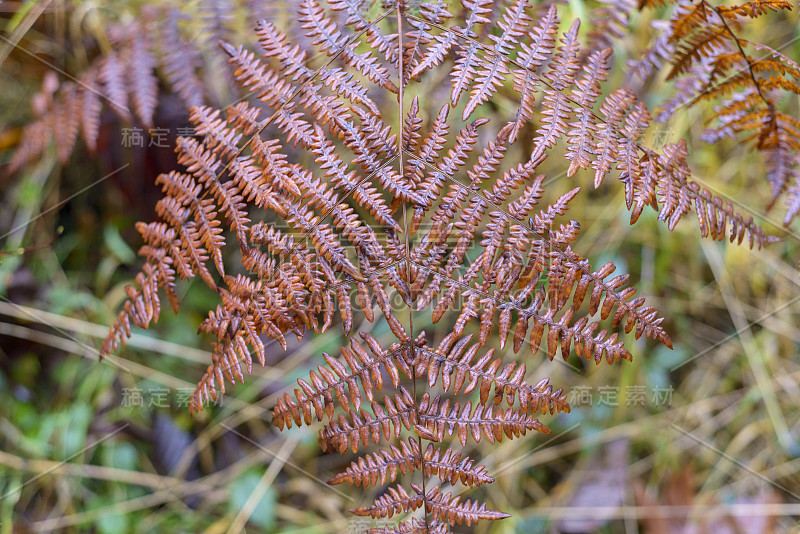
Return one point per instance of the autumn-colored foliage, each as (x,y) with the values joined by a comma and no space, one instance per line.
(378,197)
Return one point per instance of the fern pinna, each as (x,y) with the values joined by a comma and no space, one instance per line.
(749,81)
(390,183)
(125,74)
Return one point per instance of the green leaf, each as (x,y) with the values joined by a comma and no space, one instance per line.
(121,455)
(117,245)
(75,423)
(65,300)
(113,522)
(264,513)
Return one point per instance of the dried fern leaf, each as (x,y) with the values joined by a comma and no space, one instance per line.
(421,206)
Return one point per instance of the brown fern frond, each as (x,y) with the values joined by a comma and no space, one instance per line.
(629,163)
(35,139)
(413,526)
(124,79)
(450,467)
(417,38)
(437,417)
(698,45)
(376,469)
(388,418)
(560,73)
(67,119)
(371,470)
(435,54)
(424,207)
(442,506)
(395,501)
(365,369)
(330,39)
(114,87)
(459,373)
(464,69)
(583,131)
(141,80)
(754,9)
(179,59)
(91,106)
(690,18)
(778,61)
(57,106)
(385,44)
(219,138)
(531,57)
(293,60)
(513,25)
(711,62)
(656,55)
(609,21)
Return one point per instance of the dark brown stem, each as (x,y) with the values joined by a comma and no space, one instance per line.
(770,105)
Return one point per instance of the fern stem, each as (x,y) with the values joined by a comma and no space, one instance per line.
(773,119)
(412,346)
